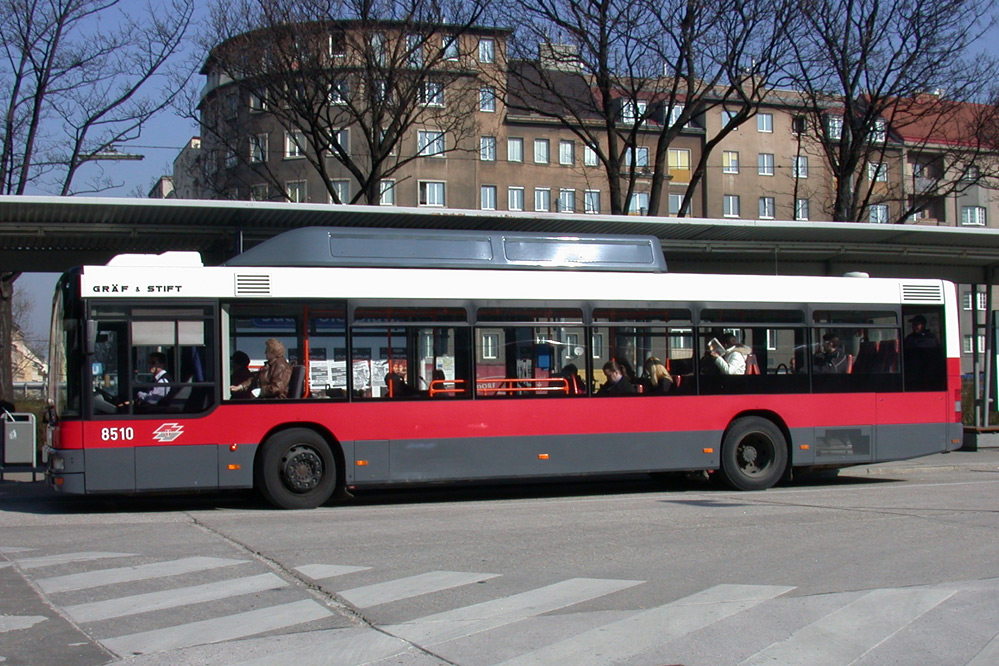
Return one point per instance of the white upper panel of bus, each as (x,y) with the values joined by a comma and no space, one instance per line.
(224,282)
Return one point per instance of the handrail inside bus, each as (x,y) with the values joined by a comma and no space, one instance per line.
(501,384)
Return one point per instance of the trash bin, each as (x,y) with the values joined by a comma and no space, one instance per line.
(18,444)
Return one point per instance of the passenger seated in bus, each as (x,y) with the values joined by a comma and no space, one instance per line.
(921,351)
(831,358)
(240,373)
(657,378)
(575,385)
(726,356)
(397,386)
(157,368)
(273,378)
(617,383)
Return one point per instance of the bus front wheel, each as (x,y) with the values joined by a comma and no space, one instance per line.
(754,454)
(296,469)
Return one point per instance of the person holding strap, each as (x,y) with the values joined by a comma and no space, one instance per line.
(273,378)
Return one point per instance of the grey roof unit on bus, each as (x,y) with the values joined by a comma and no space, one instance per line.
(416,248)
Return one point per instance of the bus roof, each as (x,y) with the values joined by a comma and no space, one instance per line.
(431,248)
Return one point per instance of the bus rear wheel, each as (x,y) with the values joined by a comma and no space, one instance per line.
(754,454)
(296,469)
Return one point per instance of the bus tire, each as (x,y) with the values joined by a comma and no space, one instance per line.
(296,469)
(753,454)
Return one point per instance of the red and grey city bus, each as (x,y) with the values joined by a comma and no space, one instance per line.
(449,356)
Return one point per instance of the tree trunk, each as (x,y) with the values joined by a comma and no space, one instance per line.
(7,335)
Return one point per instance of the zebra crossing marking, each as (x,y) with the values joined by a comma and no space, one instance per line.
(321,571)
(647,629)
(91,579)
(67,558)
(487,615)
(173,598)
(219,629)
(846,634)
(15,622)
(412,586)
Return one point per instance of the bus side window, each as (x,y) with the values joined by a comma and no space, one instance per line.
(924,361)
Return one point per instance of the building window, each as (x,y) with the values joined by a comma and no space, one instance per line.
(877,172)
(490,345)
(487,51)
(675,205)
(260,192)
(973,216)
(296,191)
(728,117)
(971,173)
(834,128)
(766,208)
(338,92)
(966,300)
(566,152)
(487,99)
(294,144)
(799,124)
(591,201)
(567,201)
(542,199)
(675,113)
(678,159)
(340,139)
(430,143)
(515,149)
(414,50)
(487,148)
(432,93)
(731,206)
(386,192)
(967,344)
(487,197)
(799,166)
(431,193)
(764,122)
(341,188)
(765,164)
(515,198)
(258,101)
(878,214)
(730,161)
(801,209)
(633,111)
(589,156)
(638,204)
(637,158)
(541,151)
(880,132)
(450,45)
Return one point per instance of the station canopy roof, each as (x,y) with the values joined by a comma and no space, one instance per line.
(56,233)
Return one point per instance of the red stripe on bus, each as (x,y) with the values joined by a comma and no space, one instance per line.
(451,418)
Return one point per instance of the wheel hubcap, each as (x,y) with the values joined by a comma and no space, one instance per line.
(302,469)
(753,455)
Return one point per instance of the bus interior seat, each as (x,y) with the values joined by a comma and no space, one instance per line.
(296,385)
(887,356)
(752,365)
(866,357)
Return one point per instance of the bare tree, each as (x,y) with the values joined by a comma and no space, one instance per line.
(377,70)
(615,72)
(80,77)
(865,67)
(77,77)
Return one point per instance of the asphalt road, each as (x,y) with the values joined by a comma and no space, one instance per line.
(888,564)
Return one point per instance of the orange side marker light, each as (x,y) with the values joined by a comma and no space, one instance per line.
(542,456)
(233,468)
(707,450)
(362,463)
